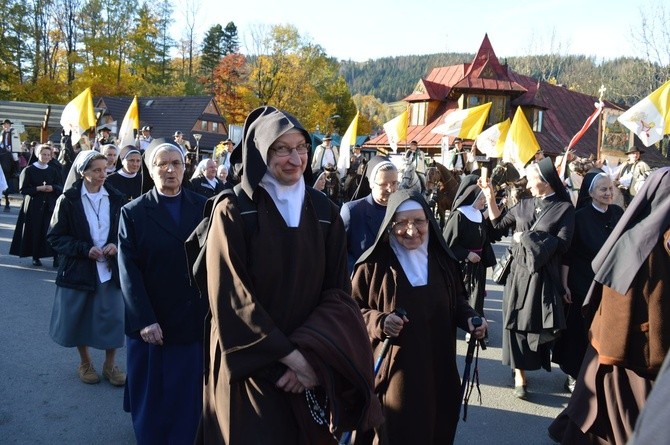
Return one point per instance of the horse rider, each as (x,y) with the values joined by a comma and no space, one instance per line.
(324,155)
(456,157)
(414,156)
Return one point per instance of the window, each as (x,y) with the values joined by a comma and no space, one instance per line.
(215,127)
(534,117)
(203,125)
(419,113)
(498,111)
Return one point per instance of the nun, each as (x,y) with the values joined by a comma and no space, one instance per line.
(164,312)
(410,266)
(362,217)
(40,183)
(205,180)
(467,233)
(533,314)
(128,179)
(629,305)
(594,223)
(286,353)
(88,306)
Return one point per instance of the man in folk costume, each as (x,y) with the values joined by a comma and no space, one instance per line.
(284,332)
(456,157)
(325,155)
(632,174)
(145,138)
(414,156)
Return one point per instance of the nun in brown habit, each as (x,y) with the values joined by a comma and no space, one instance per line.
(286,357)
(629,337)
(410,266)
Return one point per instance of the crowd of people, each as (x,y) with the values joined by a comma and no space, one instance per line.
(291,297)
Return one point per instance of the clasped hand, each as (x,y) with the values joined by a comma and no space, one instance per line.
(299,376)
(103,253)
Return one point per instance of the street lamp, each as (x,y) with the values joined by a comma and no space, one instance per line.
(197,137)
(331,118)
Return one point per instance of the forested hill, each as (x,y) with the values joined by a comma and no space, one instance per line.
(627,79)
(391,78)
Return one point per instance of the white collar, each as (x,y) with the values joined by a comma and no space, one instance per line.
(39,165)
(123,173)
(93,195)
(288,198)
(414,262)
(471,213)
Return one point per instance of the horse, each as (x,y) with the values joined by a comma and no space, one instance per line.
(410,178)
(332,188)
(352,181)
(508,184)
(441,187)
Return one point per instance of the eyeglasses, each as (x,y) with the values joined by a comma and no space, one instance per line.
(402,225)
(176,165)
(386,185)
(284,150)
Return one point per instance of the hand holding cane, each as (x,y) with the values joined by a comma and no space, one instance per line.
(472,343)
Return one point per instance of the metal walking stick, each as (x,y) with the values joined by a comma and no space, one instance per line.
(472,344)
(386,346)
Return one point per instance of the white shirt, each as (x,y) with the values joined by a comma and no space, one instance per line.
(96,208)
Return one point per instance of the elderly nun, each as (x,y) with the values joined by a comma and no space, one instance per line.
(409,266)
(88,307)
(164,312)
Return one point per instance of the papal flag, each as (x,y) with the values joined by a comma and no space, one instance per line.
(130,125)
(396,129)
(649,119)
(465,124)
(520,144)
(348,141)
(78,115)
(491,142)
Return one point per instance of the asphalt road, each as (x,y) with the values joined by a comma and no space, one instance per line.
(43,401)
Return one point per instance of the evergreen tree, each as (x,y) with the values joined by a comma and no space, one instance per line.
(212,50)
(231,41)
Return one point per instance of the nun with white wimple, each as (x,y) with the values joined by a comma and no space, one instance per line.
(88,306)
(411,267)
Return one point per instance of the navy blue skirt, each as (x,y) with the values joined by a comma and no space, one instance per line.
(164,391)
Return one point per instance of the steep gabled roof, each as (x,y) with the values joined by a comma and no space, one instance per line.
(486,73)
(167,114)
(437,85)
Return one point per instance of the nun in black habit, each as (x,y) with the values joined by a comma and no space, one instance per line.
(467,235)
(128,179)
(40,183)
(533,314)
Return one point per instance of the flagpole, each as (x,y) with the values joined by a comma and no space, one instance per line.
(600,123)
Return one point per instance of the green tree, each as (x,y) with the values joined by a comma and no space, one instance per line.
(212,50)
(231,41)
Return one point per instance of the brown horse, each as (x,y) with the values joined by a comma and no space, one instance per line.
(441,187)
(333,187)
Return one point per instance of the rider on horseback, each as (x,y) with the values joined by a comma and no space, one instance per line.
(415,157)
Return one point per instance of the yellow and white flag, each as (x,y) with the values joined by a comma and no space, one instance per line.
(520,144)
(491,142)
(396,129)
(465,124)
(348,141)
(649,119)
(130,125)
(78,115)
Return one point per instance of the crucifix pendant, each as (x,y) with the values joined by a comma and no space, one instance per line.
(538,210)
(44,183)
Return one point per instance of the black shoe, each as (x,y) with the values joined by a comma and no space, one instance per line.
(37,262)
(56,263)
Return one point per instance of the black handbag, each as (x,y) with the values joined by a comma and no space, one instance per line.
(502,268)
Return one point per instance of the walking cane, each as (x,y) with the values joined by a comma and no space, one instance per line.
(472,343)
(386,346)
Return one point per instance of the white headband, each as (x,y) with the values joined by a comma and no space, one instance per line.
(409,204)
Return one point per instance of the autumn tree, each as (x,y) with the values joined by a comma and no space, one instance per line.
(230,89)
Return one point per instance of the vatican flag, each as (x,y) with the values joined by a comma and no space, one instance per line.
(78,115)
(396,129)
(130,125)
(465,124)
(520,144)
(649,119)
(491,142)
(348,141)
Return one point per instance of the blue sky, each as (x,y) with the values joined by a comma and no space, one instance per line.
(360,30)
